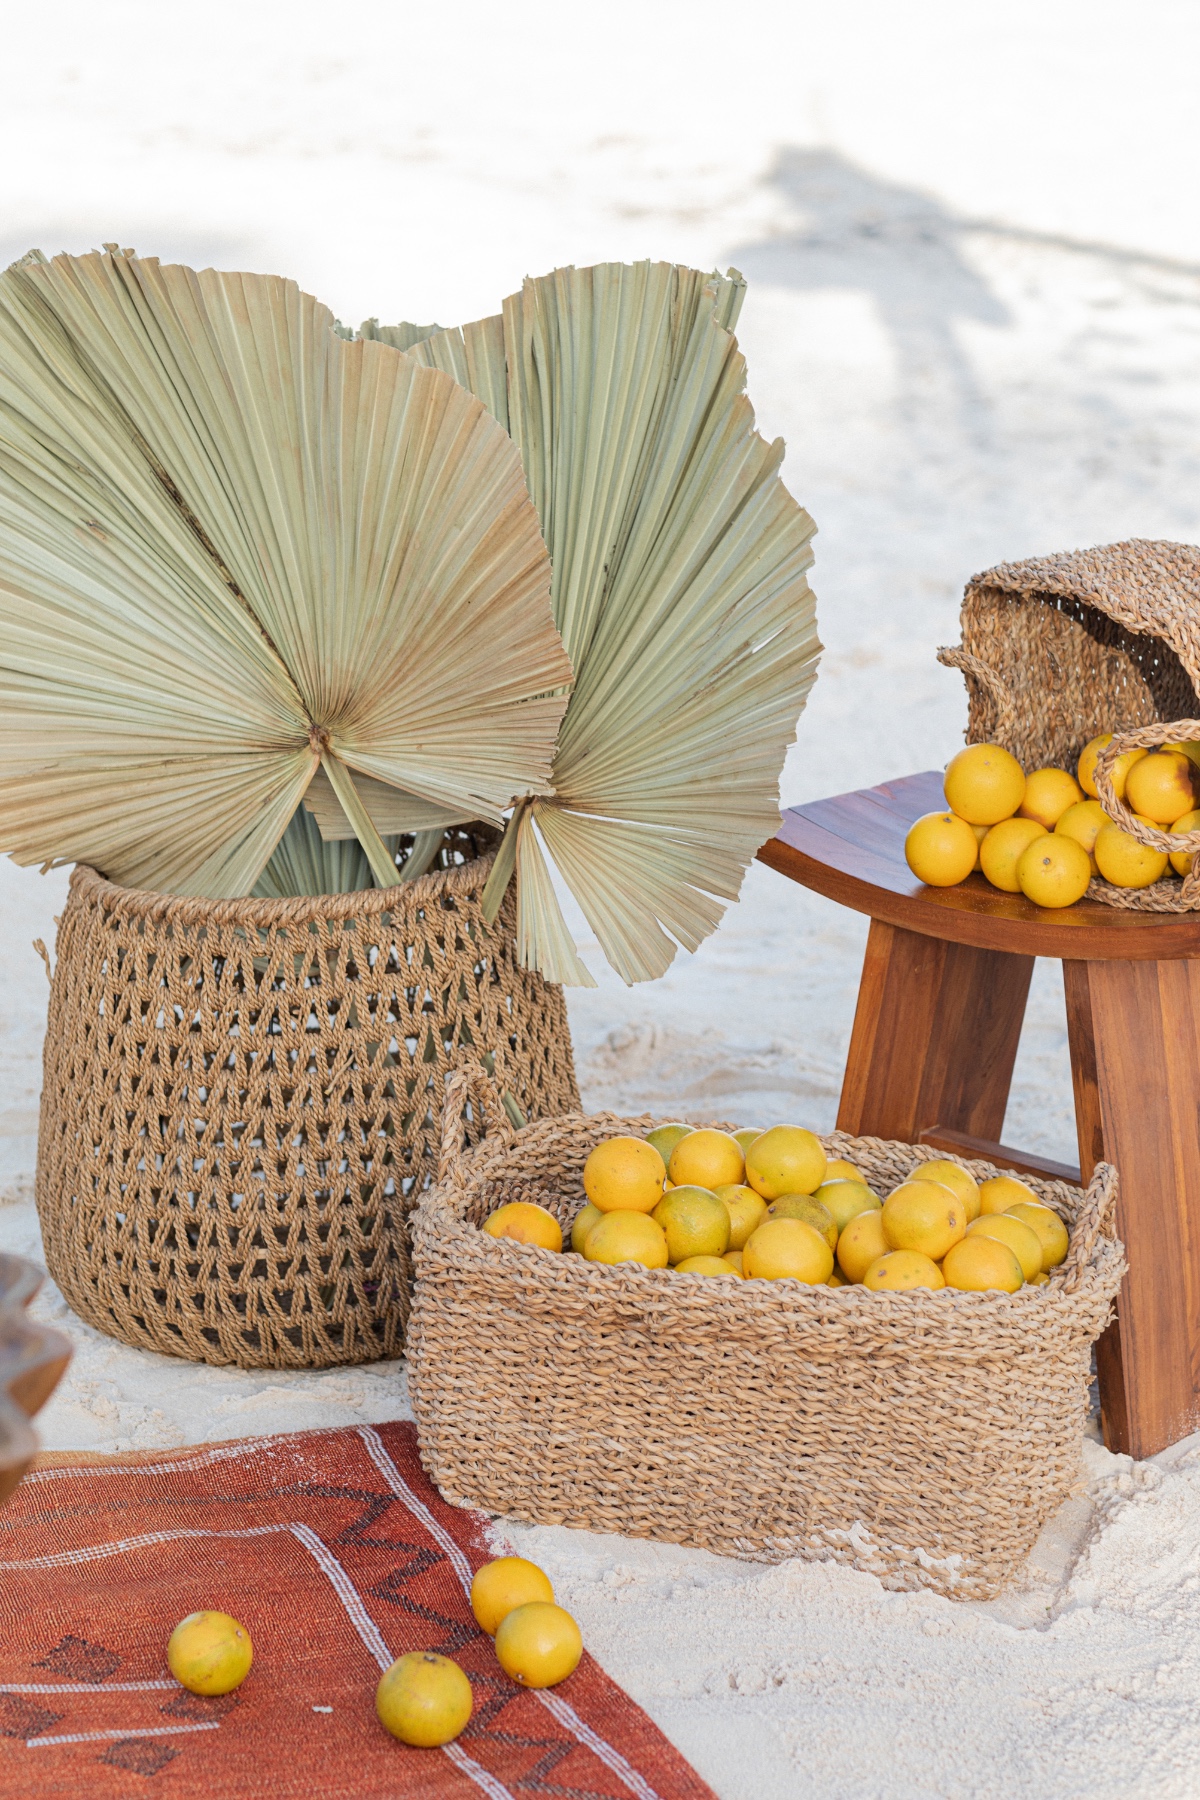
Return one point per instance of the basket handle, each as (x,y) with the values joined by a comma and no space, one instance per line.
(954,656)
(1095,1213)
(468,1081)
(1148,737)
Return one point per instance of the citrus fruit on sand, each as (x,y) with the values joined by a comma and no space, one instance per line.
(695,1221)
(423,1699)
(623,1237)
(1054,871)
(746,1137)
(1048,793)
(1003,848)
(941,849)
(707,1265)
(925,1216)
(209,1653)
(1084,821)
(950,1175)
(539,1644)
(981,1264)
(1021,1239)
(899,1271)
(525,1223)
(1000,1192)
(812,1211)
(1181,860)
(507,1582)
(624,1174)
(787,1247)
(861,1243)
(1051,1232)
(1125,862)
(746,1210)
(984,784)
(1160,787)
(785,1160)
(585,1218)
(846,1199)
(838,1169)
(707,1159)
(665,1137)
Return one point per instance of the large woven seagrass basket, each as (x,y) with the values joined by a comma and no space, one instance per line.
(1061,648)
(242,1101)
(925,1438)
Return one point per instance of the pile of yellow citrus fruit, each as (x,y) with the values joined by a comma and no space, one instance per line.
(770,1205)
(1046,834)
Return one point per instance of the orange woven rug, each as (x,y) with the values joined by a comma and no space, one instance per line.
(339,1555)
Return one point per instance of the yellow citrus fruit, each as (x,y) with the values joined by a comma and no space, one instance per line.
(585,1218)
(846,1199)
(1181,861)
(734,1259)
(1085,768)
(838,1169)
(706,1265)
(423,1699)
(525,1223)
(1000,1192)
(1021,1239)
(783,1247)
(925,1216)
(952,1176)
(1048,793)
(622,1237)
(665,1137)
(507,1582)
(209,1653)
(707,1159)
(1003,848)
(1039,1280)
(785,1160)
(539,1644)
(1188,747)
(746,1210)
(624,1174)
(1125,862)
(899,1271)
(1083,822)
(1054,871)
(695,1221)
(940,849)
(746,1138)
(981,832)
(812,1211)
(837,1280)
(980,1264)
(860,1243)
(1160,787)
(984,784)
(1051,1232)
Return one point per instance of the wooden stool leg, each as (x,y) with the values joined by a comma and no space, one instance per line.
(1135,1057)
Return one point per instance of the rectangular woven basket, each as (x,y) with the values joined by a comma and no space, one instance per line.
(923,1437)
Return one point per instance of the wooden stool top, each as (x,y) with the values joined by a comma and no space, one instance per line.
(851,848)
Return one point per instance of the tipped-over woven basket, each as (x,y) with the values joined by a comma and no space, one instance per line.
(1061,648)
(242,1100)
(924,1437)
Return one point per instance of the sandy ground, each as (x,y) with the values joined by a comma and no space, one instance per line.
(974,255)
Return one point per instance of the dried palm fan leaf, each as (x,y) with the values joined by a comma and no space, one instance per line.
(679,588)
(235,548)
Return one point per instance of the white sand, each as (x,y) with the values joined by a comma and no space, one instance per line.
(922,197)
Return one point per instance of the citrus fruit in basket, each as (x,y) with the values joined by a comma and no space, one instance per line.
(1051,1232)
(707,1159)
(952,1176)
(838,1169)
(899,1271)
(1021,1239)
(622,1237)
(525,1223)
(506,1582)
(424,1699)
(1160,787)
(1085,768)
(1125,862)
(983,784)
(785,1160)
(734,1259)
(538,1645)
(585,1218)
(1048,793)
(746,1210)
(980,1264)
(860,1244)
(812,1211)
(1084,821)
(1181,860)
(787,1247)
(707,1265)
(941,849)
(1000,1192)
(925,1216)
(747,1136)
(665,1137)
(624,1174)
(1003,848)
(1054,871)
(209,1653)
(846,1199)
(695,1221)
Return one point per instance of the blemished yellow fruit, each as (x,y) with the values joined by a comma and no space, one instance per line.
(925,1216)
(1054,871)
(812,1211)
(525,1223)
(747,1136)
(424,1699)
(1048,793)
(623,1237)
(838,1169)
(209,1653)
(538,1645)
(624,1174)
(707,1265)
(846,1198)
(860,1244)
(785,1160)
(1000,1192)
(707,1159)
(940,849)
(1003,848)
(1181,860)
(899,1271)
(787,1247)
(1051,1231)
(1021,1239)
(1160,787)
(1125,862)
(695,1221)
(587,1216)
(665,1137)
(950,1175)
(746,1210)
(983,784)
(507,1582)
(1084,821)
(979,1265)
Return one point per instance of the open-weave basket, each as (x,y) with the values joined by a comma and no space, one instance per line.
(1061,648)
(923,1437)
(242,1099)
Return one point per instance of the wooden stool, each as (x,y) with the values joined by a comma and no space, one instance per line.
(940,1005)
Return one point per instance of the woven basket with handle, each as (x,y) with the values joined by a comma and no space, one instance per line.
(925,1437)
